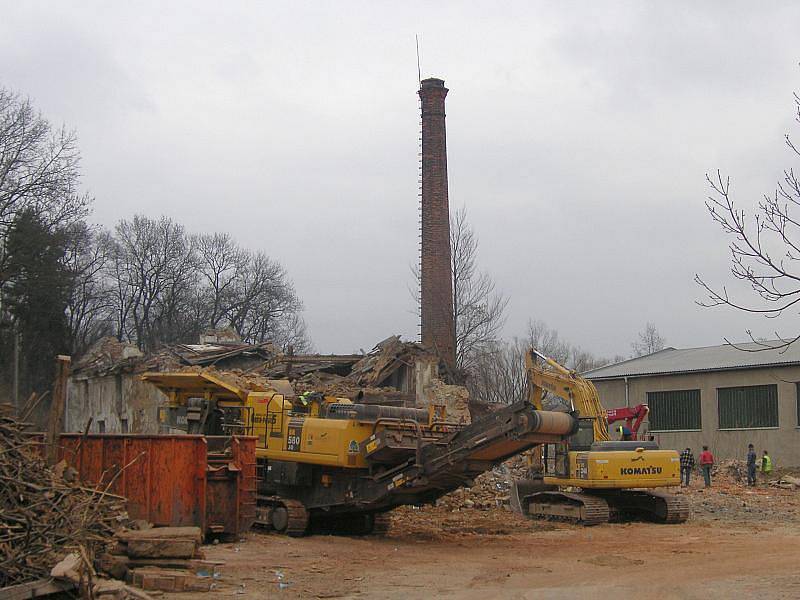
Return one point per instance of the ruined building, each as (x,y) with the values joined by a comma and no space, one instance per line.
(436,299)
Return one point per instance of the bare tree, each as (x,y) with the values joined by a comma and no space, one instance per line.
(478,309)
(168,286)
(648,341)
(38,171)
(765,249)
(152,265)
(39,203)
(263,298)
(90,305)
(499,373)
(220,264)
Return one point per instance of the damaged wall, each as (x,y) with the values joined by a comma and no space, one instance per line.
(117,403)
(430,389)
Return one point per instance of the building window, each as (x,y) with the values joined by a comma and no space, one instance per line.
(797,390)
(675,410)
(750,407)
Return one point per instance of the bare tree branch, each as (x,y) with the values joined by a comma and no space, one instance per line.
(765,247)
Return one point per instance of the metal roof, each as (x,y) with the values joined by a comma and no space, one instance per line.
(751,355)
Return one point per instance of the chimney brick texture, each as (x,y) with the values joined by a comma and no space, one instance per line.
(438,330)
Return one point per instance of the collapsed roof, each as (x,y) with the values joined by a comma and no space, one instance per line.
(386,372)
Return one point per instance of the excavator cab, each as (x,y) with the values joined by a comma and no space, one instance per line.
(556,456)
(584,437)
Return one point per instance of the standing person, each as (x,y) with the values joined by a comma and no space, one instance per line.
(625,433)
(751,465)
(706,462)
(687,464)
(766,465)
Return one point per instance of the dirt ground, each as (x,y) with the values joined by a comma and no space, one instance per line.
(739,542)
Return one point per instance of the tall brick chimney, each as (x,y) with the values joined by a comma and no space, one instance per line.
(438,330)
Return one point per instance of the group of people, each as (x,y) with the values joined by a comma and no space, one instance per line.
(707,461)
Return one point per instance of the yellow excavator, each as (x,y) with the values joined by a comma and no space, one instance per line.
(587,477)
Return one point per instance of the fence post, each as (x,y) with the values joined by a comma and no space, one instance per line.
(55,424)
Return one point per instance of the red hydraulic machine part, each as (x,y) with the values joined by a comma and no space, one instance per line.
(632,415)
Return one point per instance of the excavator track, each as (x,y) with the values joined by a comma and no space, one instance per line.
(283,515)
(659,507)
(676,508)
(581,508)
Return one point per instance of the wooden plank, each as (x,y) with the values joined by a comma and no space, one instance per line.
(34,589)
(187,533)
(169,580)
(56,421)
(165,548)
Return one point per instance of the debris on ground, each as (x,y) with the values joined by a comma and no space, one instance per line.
(787,482)
(45,515)
(730,498)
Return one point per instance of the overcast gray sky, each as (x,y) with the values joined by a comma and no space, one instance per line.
(578,138)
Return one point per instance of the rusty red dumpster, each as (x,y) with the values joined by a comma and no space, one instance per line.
(172,480)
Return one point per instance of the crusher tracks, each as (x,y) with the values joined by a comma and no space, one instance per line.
(382,523)
(569,506)
(284,516)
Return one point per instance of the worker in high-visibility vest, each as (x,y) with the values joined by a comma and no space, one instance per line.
(766,464)
(625,433)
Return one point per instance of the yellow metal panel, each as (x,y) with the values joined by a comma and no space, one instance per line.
(329,442)
(623,469)
(189,383)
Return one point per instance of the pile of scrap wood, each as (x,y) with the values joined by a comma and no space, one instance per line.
(167,559)
(44,513)
(74,571)
(787,482)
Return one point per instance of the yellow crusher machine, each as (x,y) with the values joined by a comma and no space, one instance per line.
(587,477)
(327,464)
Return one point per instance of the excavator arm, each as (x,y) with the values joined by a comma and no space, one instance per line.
(549,376)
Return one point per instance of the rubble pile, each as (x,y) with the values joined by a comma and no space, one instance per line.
(491,490)
(343,387)
(45,514)
(372,378)
(106,354)
(733,469)
(246,380)
(384,359)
